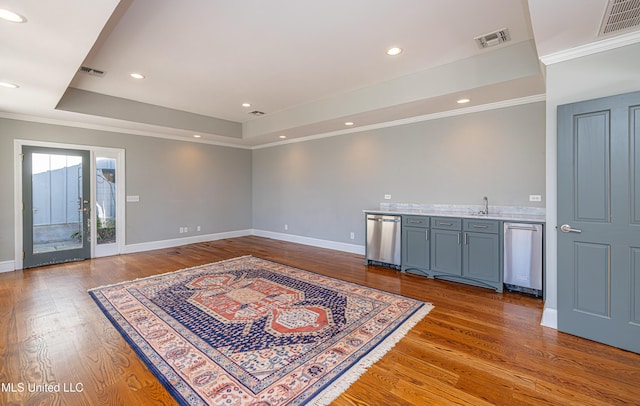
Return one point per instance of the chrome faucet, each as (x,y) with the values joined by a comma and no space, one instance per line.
(485,202)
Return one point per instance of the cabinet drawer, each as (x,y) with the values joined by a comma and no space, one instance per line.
(415,221)
(481,226)
(446,223)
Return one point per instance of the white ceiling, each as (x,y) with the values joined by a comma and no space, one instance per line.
(308,65)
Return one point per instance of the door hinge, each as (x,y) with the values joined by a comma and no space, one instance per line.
(21,157)
(23,255)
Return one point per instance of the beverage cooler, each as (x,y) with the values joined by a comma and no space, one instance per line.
(523,257)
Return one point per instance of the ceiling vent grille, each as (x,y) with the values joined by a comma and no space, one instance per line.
(620,15)
(493,38)
(257,113)
(91,71)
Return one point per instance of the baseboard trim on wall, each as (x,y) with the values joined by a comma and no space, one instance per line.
(316,242)
(156,245)
(549,318)
(7,266)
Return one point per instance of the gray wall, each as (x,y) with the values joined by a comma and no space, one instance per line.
(320,187)
(179,183)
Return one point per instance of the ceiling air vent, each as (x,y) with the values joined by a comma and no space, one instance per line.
(91,71)
(257,113)
(620,15)
(493,38)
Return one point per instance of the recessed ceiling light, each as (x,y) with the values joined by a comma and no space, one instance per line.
(197,136)
(394,51)
(348,123)
(463,101)
(9,85)
(137,76)
(246,104)
(11,16)
(283,137)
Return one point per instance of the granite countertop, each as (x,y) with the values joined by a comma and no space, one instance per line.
(510,213)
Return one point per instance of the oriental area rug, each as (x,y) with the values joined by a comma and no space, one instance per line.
(247,331)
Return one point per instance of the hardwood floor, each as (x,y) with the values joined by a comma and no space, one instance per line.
(477,347)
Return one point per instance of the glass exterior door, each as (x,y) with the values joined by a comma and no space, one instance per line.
(106,207)
(56,198)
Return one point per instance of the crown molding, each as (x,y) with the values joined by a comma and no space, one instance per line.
(593,48)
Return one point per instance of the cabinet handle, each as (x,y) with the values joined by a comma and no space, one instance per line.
(458,238)
(414,221)
(426,234)
(479,226)
(445,224)
(466,242)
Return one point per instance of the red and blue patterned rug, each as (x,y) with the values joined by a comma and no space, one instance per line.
(247,331)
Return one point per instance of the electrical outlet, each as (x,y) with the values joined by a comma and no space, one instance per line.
(198,228)
(286,227)
(387,197)
(352,235)
(535,198)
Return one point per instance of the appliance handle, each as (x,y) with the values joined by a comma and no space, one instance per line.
(383,220)
(522,228)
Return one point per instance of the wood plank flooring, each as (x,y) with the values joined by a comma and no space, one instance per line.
(477,347)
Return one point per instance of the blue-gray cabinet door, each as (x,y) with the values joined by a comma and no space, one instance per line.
(446,252)
(415,243)
(481,256)
(599,220)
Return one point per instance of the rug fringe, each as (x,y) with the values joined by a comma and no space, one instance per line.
(356,371)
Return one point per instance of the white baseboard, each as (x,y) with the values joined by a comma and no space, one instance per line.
(156,245)
(7,266)
(549,318)
(316,242)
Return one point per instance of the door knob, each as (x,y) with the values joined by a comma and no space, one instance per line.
(566,228)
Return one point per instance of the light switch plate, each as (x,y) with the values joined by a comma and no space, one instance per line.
(387,197)
(133,199)
(535,198)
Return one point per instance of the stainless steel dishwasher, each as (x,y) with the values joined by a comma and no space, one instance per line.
(523,257)
(383,239)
